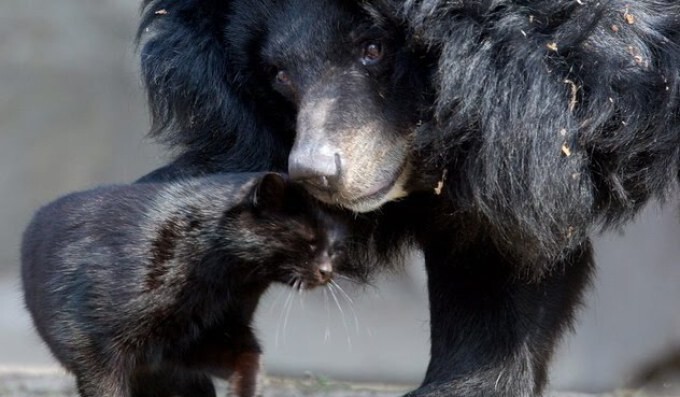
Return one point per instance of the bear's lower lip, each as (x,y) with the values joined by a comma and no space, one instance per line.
(375,198)
(377,193)
(370,200)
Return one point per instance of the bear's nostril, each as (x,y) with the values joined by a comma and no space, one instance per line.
(318,169)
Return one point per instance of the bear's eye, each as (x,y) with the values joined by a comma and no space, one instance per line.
(282,78)
(372,53)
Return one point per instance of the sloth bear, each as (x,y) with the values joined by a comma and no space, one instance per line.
(494,135)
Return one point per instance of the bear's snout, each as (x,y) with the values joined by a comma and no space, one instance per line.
(318,168)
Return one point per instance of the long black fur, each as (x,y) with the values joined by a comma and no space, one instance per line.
(560,116)
(538,122)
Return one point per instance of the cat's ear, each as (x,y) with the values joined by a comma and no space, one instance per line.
(270,192)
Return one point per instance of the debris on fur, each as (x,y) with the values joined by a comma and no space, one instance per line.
(565,150)
(440,185)
(573,100)
(630,18)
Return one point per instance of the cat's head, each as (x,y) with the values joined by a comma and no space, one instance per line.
(306,239)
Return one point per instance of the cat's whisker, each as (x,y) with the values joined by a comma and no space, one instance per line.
(327,333)
(300,288)
(352,280)
(342,291)
(342,315)
(351,305)
(280,327)
(276,301)
(289,305)
(302,294)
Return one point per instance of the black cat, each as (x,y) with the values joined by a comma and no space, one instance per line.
(163,302)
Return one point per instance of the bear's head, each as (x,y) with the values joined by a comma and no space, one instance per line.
(330,89)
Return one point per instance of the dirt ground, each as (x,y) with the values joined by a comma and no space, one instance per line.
(53,383)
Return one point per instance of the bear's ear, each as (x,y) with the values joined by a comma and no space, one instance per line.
(270,193)
(188,79)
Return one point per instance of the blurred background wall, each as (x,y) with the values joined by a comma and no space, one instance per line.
(72,116)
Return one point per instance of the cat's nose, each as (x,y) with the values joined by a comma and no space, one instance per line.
(325,272)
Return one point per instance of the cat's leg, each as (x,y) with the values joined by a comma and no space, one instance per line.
(235,359)
(172,382)
(195,385)
(242,368)
(247,377)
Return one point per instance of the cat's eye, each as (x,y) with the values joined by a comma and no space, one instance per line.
(372,53)
(336,250)
(282,78)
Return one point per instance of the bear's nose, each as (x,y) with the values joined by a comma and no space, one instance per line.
(320,169)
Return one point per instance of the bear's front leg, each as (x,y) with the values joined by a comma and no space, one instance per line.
(492,332)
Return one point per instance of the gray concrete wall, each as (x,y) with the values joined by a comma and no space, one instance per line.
(72,116)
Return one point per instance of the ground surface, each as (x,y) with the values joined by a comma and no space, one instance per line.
(56,384)
(53,384)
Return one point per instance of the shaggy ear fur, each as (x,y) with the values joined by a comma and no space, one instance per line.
(194,91)
(552,116)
